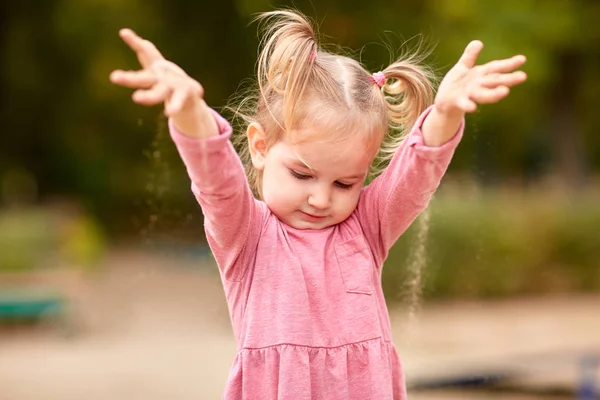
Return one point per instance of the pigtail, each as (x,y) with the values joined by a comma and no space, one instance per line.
(299,83)
(289,48)
(408,91)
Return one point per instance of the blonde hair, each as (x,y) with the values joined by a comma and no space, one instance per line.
(299,83)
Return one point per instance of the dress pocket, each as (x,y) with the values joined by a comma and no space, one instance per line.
(356,265)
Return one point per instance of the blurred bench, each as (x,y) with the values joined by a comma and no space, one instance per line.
(34,304)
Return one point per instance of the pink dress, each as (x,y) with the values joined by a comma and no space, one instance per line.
(307,307)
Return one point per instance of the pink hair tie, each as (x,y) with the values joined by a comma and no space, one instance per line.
(379,78)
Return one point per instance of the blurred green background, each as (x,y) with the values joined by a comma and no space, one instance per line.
(517,213)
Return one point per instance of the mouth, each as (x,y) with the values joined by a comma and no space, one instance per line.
(313,217)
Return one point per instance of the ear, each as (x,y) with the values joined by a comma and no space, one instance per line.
(258,145)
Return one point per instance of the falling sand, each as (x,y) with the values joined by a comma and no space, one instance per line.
(162,219)
(414,282)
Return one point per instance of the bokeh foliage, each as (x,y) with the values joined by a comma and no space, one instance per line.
(77,135)
(497,243)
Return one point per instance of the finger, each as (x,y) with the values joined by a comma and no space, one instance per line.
(511,79)
(146,51)
(184,93)
(467,105)
(183,86)
(469,57)
(177,101)
(506,65)
(157,94)
(489,96)
(143,79)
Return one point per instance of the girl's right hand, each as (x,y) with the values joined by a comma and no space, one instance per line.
(161,81)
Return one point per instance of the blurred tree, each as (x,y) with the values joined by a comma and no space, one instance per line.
(560,39)
(78,135)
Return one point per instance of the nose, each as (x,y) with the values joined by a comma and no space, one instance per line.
(320,198)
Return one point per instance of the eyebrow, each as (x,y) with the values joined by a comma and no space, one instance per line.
(300,164)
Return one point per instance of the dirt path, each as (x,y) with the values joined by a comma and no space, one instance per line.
(152,332)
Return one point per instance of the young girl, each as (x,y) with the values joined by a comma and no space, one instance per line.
(301,261)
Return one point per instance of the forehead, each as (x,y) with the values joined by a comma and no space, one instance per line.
(343,156)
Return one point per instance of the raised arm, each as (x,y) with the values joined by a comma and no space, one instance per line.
(394,199)
(161,81)
(464,87)
(232,217)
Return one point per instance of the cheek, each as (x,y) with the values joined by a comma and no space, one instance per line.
(280,190)
(348,200)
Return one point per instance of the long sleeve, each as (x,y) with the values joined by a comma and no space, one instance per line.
(232,216)
(395,198)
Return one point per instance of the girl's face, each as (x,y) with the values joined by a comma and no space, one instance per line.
(314,184)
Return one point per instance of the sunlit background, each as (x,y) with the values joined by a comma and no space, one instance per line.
(107,287)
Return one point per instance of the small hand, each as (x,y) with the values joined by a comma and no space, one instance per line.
(467,84)
(159,80)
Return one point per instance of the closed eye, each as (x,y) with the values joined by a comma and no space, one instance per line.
(343,185)
(298,175)
(339,184)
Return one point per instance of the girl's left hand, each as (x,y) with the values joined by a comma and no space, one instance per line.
(466,85)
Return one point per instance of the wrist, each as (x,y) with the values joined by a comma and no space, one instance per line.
(448,113)
(440,126)
(196,120)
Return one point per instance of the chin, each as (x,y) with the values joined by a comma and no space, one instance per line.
(302,224)
(314,225)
